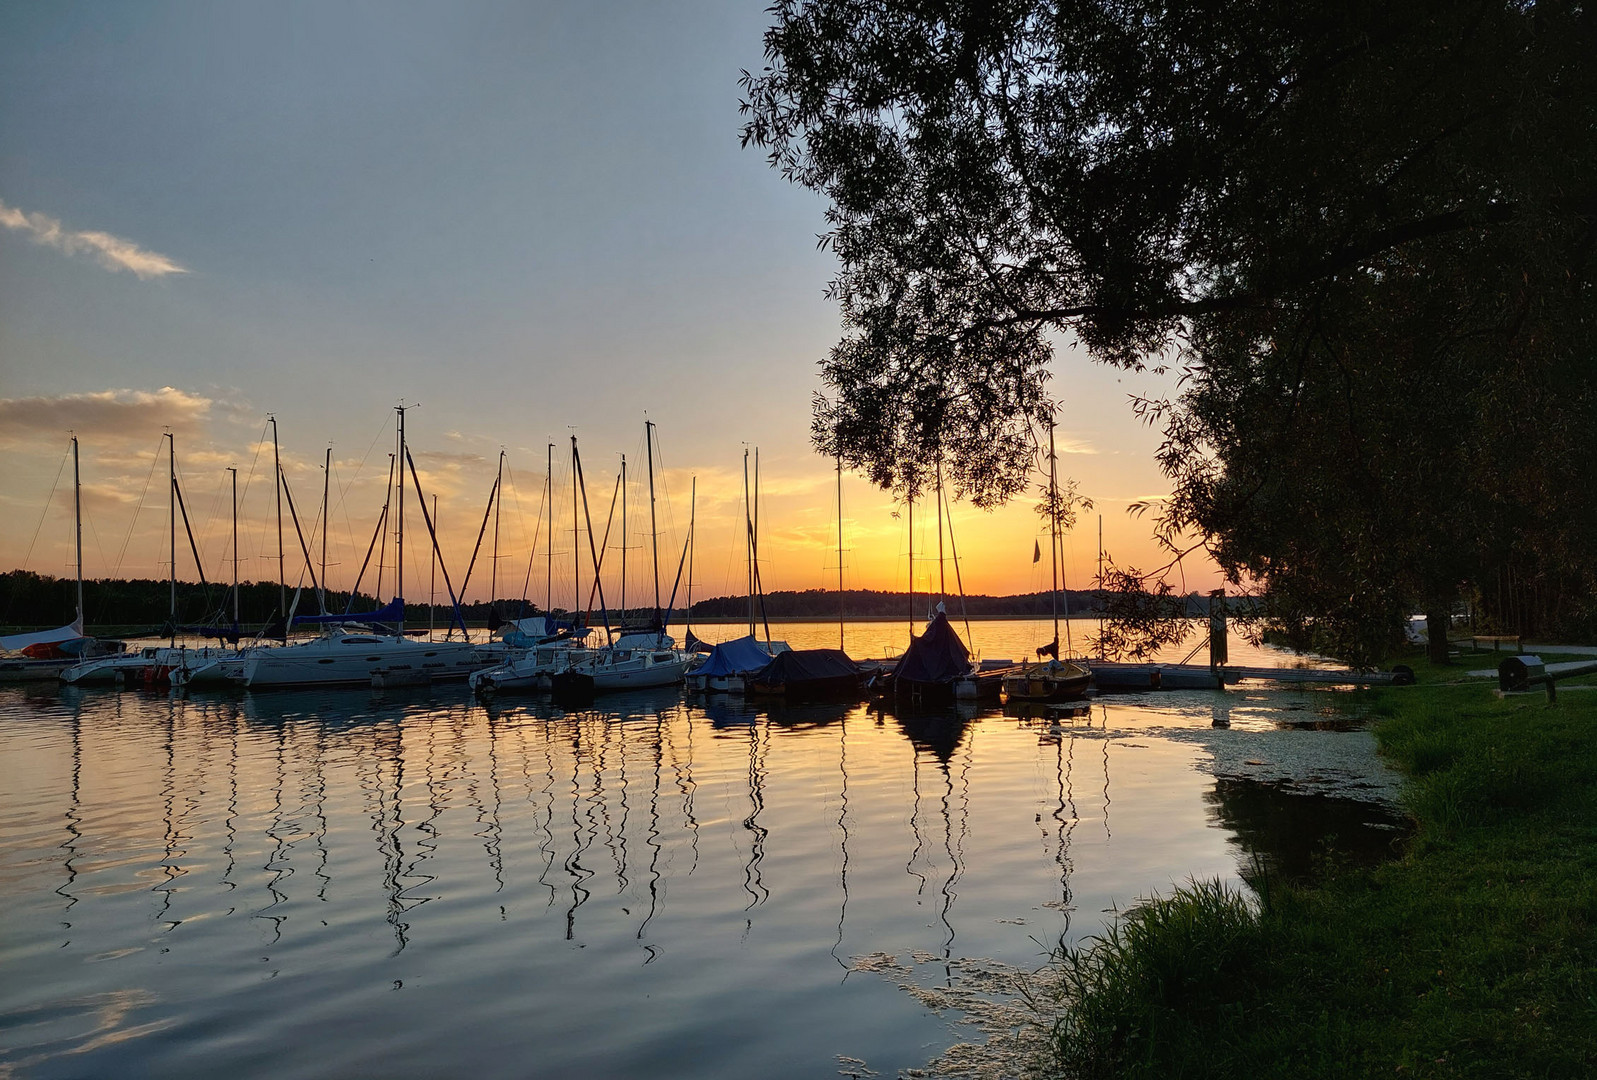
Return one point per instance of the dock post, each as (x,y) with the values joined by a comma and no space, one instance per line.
(1217,635)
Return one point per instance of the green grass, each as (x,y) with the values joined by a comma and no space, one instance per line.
(1474,955)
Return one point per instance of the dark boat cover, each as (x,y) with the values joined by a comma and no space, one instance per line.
(937,656)
(798,666)
(736,657)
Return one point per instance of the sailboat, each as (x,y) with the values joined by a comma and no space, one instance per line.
(730,665)
(635,661)
(48,654)
(367,649)
(1055,679)
(550,646)
(814,674)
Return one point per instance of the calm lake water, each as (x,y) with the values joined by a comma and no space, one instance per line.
(412,884)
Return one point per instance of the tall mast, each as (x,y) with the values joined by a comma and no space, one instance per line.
(623,617)
(1053,530)
(576,532)
(549,556)
(171,500)
(327,472)
(912,558)
(654,533)
(233,470)
(1100,586)
(748,536)
(593,551)
(399,532)
(754,548)
(282,575)
(840,642)
(432,581)
(693,502)
(942,578)
(77,523)
(493,573)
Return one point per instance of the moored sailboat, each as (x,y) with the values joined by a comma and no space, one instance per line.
(1055,679)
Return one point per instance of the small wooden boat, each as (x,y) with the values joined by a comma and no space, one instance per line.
(1053,680)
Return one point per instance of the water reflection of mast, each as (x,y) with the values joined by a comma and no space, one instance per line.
(427,845)
(277,865)
(545,819)
(1107,834)
(232,804)
(74,816)
(751,873)
(955,850)
(489,819)
(842,825)
(573,863)
(386,823)
(914,824)
(1067,796)
(319,807)
(687,786)
(620,848)
(598,808)
(654,835)
(955,868)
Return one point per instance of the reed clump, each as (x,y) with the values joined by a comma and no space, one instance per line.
(1471,954)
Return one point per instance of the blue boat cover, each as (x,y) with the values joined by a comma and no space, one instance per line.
(391,612)
(937,656)
(736,657)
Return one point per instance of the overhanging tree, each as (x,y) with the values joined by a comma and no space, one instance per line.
(1363,232)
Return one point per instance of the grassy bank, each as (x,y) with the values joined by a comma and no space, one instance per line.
(1474,954)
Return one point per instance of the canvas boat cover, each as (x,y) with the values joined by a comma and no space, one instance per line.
(43,637)
(391,612)
(937,656)
(736,657)
(806,665)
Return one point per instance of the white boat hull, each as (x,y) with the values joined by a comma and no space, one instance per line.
(357,660)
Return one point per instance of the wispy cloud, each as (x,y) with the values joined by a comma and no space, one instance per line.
(104,416)
(111,252)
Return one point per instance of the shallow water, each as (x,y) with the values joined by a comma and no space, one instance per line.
(413,884)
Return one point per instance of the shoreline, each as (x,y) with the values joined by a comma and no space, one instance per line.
(1470,952)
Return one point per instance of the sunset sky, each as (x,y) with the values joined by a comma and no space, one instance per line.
(532,219)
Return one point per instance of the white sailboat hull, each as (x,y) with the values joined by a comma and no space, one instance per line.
(357,660)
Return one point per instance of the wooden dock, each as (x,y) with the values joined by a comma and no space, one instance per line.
(1322,676)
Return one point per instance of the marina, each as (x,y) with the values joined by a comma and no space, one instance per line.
(236,881)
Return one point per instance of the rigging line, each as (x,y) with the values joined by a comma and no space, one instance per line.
(344,488)
(959,581)
(665,487)
(521,521)
(465,582)
(155,460)
(243,497)
(532,554)
(47,504)
(604,546)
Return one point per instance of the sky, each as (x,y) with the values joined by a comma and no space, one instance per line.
(529,220)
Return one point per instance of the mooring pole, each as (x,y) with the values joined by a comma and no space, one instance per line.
(1217,635)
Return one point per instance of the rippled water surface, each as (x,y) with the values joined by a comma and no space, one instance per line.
(413,884)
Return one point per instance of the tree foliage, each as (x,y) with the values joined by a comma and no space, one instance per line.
(1362,232)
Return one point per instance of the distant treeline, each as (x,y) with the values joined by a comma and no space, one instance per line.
(36,600)
(869,603)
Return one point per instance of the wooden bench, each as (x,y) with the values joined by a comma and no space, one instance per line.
(1495,640)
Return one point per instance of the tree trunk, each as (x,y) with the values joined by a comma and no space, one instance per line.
(1438,616)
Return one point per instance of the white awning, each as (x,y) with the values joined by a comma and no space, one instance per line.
(42,637)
